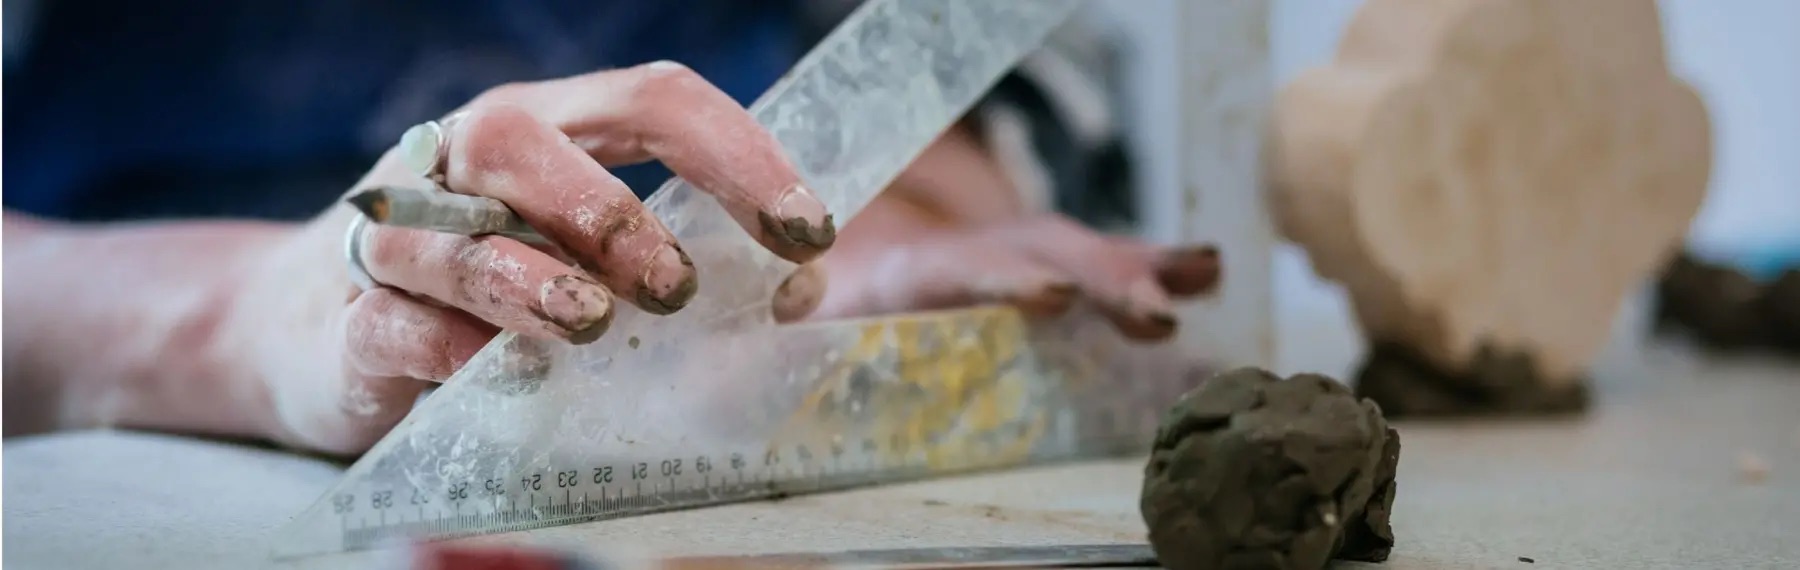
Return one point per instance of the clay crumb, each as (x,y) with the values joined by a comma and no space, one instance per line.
(1752,468)
(934,503)
(1527,560)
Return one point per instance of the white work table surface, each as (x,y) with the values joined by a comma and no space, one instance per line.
(1652,479)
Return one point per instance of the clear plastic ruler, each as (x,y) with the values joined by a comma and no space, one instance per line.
(716,403)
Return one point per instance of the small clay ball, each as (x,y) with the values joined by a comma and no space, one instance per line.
(1253,471)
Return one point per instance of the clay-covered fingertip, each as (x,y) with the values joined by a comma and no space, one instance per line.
(592,332)
(668,304)
(801,240)
(1153,327)
(669,281)
(1190,271)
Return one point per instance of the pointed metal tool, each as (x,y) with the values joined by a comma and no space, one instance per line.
(717,403)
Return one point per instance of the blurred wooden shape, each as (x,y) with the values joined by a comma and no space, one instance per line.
(1497,172)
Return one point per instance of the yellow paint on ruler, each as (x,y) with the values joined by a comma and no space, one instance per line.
(944,382)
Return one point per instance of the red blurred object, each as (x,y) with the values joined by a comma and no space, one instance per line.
(450,557)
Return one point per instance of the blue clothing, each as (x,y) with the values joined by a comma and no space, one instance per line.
(272,109)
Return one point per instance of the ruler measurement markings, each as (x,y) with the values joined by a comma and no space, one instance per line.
(807,471)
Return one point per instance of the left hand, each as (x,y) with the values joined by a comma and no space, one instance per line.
(952,232)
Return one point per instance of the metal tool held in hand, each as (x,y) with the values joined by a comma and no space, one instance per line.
(442,211)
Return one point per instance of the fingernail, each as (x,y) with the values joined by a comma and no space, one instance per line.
(669,281)
(1153,326)
(1199,252)
(1163,320)
(801,219)
(1189,270)
(578,305)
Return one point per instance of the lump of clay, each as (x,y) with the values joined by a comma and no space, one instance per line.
(1253,471)
(1495,382)
(1781,310)
(1491,176)
(1717,303)
(1726,309)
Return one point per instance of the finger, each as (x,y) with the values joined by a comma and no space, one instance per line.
(948,272)
(665,111)
(1189,271)
(1126,288)
(504,153)
(390,334)
(1183,271)
(496,279)
(800,294)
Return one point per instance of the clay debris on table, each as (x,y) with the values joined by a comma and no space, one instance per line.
(1253,471)
(1497,382)
(1725,309)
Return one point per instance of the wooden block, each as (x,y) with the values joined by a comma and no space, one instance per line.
(1491,175)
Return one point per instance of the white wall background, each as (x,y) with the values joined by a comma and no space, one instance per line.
(1743,57)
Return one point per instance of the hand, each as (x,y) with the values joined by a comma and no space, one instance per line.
(342,366)
(952,232)
(253,329)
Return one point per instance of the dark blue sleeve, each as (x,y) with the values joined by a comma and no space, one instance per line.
(123,109)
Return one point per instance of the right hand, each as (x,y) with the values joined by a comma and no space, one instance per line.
(341,366)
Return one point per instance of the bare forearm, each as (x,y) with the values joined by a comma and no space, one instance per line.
(120,326)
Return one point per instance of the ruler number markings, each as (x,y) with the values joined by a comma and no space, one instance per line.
(380,500)
(343,503)
(817,464)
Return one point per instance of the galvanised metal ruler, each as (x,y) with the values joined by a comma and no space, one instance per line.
(717,403)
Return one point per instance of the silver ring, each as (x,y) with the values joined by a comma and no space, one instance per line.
(353,237)
(426,147)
